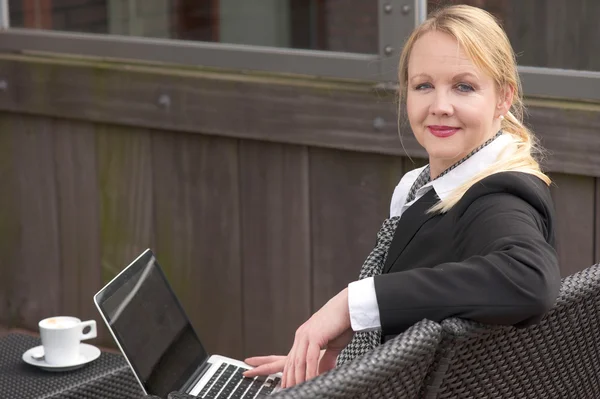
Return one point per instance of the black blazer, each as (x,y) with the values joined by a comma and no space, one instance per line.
(491,258)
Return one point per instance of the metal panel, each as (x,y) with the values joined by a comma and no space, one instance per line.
(4,21)
(560,83)
(231,56)
(396,22)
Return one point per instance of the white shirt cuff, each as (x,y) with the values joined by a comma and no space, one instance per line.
(362,304)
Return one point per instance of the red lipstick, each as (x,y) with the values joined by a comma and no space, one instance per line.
(442,131)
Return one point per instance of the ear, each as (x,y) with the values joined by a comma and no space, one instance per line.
(505,100)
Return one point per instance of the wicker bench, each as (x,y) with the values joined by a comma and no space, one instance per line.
(557,358)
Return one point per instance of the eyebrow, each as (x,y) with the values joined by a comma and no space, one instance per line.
(465,75)
(420,75)
(456,77)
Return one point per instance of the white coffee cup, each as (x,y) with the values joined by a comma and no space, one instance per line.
(61,336)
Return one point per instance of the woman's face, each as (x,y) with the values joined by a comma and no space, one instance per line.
(453,106)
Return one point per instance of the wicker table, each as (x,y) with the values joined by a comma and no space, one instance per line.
(108,377)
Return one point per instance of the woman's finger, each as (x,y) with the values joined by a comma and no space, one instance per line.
(300,361)
(266,369)
(286,368)
(260,360)
(312,361)
(289,371)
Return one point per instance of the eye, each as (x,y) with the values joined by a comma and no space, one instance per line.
(423,86)
(464,87)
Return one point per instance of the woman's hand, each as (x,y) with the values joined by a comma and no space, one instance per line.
(329,329)
(265,365)
(316,346)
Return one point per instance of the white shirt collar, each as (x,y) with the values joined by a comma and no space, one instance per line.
(444,185)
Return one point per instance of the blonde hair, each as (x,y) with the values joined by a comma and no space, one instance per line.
(485,42)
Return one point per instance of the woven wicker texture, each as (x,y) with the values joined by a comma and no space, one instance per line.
(393,370)
(120,384)
(107,377)
(558,358)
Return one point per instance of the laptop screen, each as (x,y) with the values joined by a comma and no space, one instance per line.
(151,326)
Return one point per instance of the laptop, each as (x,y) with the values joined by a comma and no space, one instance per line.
(158,341)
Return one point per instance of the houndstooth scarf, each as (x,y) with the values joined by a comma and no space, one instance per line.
(362,342)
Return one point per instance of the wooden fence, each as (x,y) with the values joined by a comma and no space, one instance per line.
(261,195)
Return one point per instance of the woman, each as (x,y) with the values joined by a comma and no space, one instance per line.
(470,235)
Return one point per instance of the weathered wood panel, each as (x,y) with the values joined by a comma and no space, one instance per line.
(575,212)
(571,139)
(341,115)
(126,197)
(10,224)
(288,110)
(36,274)
(197,212)
(275,244)
(79,219)
(349,199)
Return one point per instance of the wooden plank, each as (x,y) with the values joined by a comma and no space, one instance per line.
(9,217)
(275,244)
(196,193)
(341,115)
(350,197)
(574,201)
(79,220)
(35,288)
(568,136)
(346,115)
(125,190)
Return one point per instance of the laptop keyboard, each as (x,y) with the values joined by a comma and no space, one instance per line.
(229,383)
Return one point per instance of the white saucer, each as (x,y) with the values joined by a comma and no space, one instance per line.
(87,353)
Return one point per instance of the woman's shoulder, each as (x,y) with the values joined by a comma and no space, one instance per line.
(510,188)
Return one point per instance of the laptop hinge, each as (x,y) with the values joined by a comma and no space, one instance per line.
(193,380)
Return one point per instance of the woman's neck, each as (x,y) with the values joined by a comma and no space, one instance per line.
(437,167)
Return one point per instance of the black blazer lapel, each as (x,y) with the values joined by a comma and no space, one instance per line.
(410,222)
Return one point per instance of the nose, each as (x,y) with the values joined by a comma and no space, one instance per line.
(441,105)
